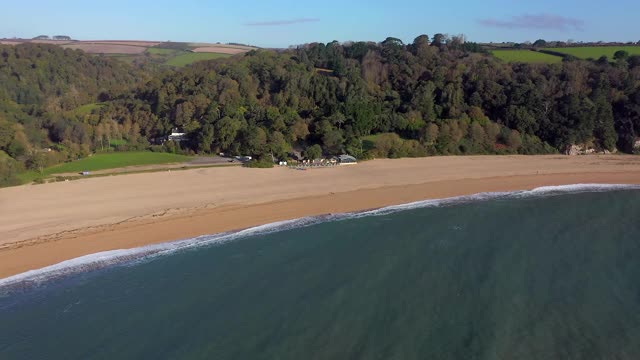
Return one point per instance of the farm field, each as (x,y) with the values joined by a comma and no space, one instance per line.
(115,160)
(176,54)
(161,51)
(189,58)
(525,56)
(93,48)
(595,52)
(221,50)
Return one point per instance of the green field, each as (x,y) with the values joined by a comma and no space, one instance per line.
(160,51)
(190,58)
(88,109)
(129,59)
(595,52)
(525,56)
(168,54)
(115,160)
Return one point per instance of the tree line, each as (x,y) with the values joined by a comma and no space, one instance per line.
(436,95)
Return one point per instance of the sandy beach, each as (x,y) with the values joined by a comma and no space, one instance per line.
(41,225)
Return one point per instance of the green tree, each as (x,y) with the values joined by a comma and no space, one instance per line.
(621,55)
(205,138)
(604,131)
(226,131)
(278,145)
(333,142)
(539,43)
(6,134)
(313,152)
(256,141)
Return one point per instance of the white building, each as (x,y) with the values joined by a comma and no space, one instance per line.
(347,160)
(177,136)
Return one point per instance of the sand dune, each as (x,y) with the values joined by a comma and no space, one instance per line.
(44,224)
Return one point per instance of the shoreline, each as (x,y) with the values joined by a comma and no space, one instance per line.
(189,222)
(104,259)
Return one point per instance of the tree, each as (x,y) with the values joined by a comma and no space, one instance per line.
(514,140)
(604,131)
(299,131)
(431,134)
(37,161)
(278,145)
(256,141)
(438,39)
(205,138)
(6,134)
(226,131)
(621,55)
(478,136)
(9,170)
(419,43)
(539,43)
(313,152)
(333,142)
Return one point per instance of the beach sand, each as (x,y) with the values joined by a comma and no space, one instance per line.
(41,225)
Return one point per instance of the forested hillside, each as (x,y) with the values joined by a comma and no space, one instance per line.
(433,96)
(42,87)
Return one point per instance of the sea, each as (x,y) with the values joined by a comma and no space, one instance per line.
(551,273)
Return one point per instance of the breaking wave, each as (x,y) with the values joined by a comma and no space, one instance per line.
(105,259)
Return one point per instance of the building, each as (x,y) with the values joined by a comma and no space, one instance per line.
(177,136)
(347,160)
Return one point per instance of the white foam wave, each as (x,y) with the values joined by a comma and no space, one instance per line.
(104,259)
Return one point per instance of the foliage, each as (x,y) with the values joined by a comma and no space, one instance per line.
(261,163)
(432,96)
(9,170)
(313,152)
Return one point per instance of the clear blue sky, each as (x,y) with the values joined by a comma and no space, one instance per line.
(281,23)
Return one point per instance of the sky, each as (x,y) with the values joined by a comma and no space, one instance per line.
(281,23)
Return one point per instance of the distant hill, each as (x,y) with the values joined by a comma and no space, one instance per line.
(141,51)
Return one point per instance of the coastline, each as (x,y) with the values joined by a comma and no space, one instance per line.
(394,182)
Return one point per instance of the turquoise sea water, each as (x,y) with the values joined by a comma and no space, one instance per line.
(528,276)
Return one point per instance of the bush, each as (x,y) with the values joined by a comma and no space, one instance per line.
(157,148)
(261,164)
(9,170)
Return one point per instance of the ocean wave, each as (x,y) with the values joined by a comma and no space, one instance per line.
(105,259)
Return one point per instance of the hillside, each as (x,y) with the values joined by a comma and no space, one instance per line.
(424,98)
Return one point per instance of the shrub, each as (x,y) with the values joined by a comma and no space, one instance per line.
(262,164)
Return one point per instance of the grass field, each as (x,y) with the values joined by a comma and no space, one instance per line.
(190,58)
(161,51)
(115,160)
(525,56)
(595,52)
(88,109)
